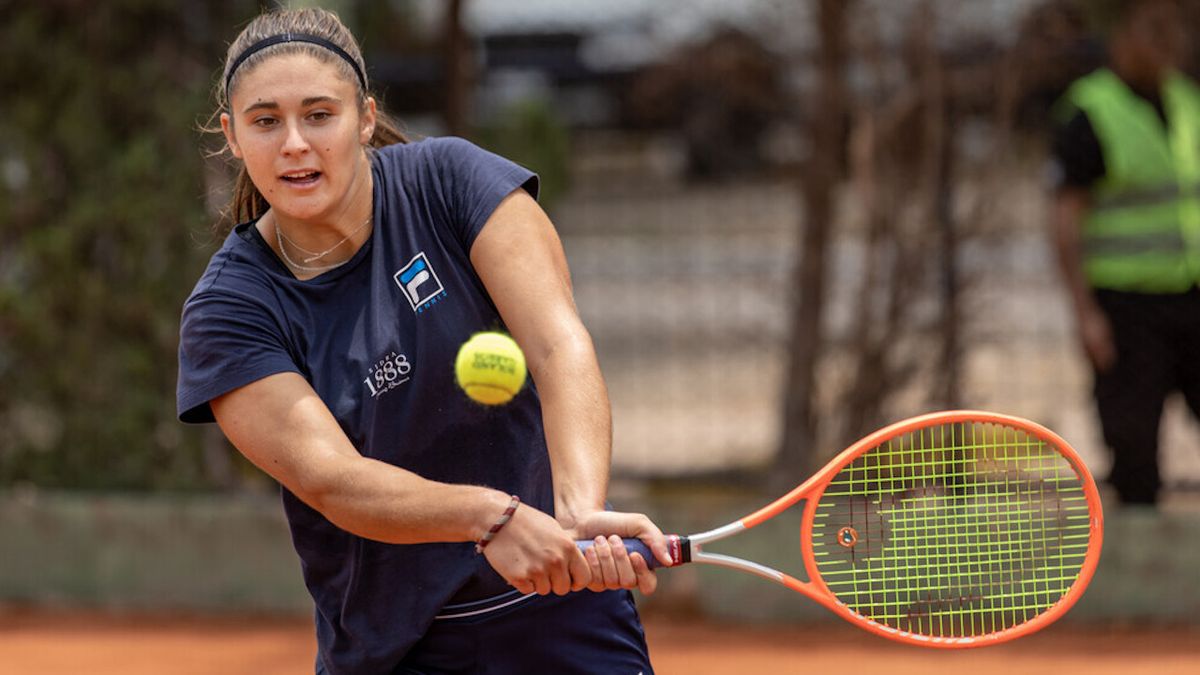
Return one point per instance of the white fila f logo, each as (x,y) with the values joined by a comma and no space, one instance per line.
(420,283)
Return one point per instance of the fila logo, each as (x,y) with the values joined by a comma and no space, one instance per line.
(420,283)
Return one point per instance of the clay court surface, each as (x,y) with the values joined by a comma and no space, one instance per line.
(49,643)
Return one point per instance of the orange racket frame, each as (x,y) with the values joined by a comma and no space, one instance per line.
(692,548)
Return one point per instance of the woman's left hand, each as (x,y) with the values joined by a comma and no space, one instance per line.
(611,563)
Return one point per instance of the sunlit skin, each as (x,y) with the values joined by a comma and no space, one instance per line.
(301,131)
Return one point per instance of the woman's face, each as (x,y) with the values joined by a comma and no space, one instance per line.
(297,126)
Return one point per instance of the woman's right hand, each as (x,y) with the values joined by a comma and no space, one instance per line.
(536,555)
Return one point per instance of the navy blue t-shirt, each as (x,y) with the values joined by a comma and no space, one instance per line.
(376,338)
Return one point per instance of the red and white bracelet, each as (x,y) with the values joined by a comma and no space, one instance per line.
(507,516)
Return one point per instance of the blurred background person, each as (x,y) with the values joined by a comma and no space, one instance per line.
(1126,221)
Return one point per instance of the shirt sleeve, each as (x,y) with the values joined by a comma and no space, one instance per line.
(474,182)
(1076,154)
(226,342)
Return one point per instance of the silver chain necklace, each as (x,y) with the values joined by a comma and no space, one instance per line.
(279,237)
(314,255)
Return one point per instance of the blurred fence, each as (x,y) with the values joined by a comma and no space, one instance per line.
(685,293)
(686,290)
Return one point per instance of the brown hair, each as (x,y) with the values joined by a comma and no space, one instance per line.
(247,203)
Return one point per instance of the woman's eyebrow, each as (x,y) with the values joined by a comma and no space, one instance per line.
(260,105)
(311,100)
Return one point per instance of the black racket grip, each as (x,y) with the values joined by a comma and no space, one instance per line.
(677,546)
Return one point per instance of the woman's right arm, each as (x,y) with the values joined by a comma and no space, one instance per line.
(282,426)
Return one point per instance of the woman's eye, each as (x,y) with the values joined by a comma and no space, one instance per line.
(265,122)
(319,116)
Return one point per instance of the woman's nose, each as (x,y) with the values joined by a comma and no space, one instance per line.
(294,142)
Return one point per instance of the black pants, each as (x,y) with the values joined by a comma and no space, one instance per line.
(1158,352)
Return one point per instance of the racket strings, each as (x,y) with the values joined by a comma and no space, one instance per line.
(953,530)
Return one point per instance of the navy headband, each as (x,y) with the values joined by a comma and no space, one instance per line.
(294,37)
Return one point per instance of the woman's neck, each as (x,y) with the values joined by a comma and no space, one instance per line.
(309,247)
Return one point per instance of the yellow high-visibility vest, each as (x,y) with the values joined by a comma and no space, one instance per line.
(1142,232)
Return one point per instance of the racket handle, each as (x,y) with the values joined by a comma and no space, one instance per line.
(677,546)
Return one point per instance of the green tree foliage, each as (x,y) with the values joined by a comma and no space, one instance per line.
(529,133)
(103,232)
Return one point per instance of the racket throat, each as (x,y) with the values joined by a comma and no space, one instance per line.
(680,549)
(693,548)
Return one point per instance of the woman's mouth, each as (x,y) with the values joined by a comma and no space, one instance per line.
(301,178)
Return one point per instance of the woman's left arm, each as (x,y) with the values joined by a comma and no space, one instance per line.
(520,259)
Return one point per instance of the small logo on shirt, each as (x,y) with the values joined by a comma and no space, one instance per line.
(390,372)
(420,283)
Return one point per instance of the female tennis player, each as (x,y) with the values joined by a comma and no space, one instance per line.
(436,535)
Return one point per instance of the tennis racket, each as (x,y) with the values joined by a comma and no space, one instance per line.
(952,529)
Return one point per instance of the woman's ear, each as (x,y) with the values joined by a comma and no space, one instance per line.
(367,129)
(230,137)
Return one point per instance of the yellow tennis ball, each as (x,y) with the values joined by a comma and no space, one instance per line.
(490,368)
